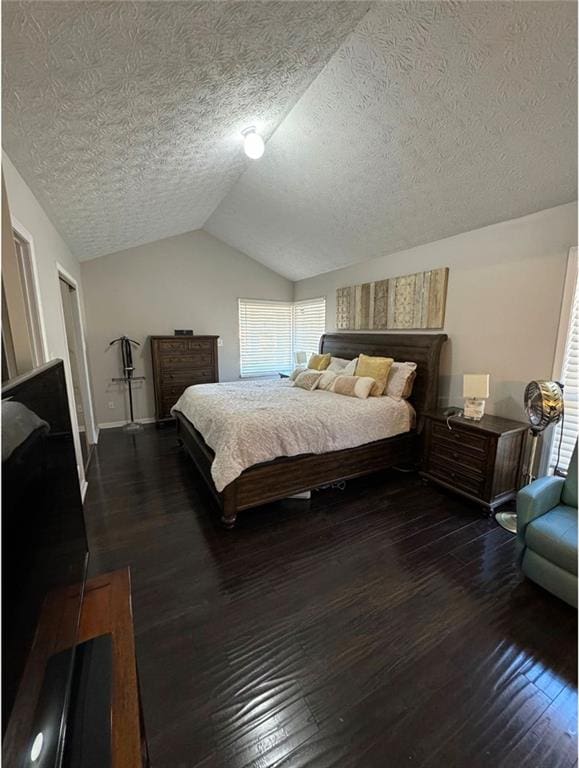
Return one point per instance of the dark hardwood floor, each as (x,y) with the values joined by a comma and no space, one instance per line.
(383,625)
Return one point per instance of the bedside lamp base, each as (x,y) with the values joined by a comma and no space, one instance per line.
(474,408)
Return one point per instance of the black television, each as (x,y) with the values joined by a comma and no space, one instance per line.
(44,549)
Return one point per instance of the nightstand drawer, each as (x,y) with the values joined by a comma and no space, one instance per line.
(473,462)
(456,476)
(460,439)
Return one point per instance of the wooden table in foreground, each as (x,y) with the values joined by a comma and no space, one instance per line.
(106,609)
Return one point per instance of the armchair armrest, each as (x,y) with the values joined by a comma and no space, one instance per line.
(536,499)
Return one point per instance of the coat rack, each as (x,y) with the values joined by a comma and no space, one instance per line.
(128,376)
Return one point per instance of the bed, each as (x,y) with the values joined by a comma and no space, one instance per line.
(287,475)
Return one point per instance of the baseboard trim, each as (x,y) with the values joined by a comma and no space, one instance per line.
(115,424)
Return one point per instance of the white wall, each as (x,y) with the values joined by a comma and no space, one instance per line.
(48,249)
(188,281)
(504,299)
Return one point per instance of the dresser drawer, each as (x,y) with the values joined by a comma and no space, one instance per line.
(174,390)
(456,476)
(186,377)
(171,346)
(186,362)
(183,346)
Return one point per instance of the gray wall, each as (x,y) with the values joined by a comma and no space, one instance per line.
(504,299)
(188,281)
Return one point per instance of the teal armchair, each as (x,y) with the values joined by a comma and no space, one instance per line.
(547,532)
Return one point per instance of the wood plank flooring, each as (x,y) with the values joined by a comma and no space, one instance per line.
(383,625)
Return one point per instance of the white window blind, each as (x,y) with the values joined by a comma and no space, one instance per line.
(271,332)
(309,325)
(265,337)
(567,431)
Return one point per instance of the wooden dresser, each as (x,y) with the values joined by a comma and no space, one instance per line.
(179,362)
(481,460)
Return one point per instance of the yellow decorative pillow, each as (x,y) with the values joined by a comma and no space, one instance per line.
(319,362)
(378,369)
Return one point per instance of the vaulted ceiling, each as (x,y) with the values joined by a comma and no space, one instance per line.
(125,118)
(431,119)
(390,124)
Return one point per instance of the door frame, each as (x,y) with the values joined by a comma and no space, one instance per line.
(25,235)
(90,424)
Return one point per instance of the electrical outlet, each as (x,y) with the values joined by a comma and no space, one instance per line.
(111,404)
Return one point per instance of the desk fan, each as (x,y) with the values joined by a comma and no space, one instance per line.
(544,406)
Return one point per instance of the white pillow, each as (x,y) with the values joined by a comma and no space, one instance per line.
(400,380)
(350,369)
(337,364)
(327,379)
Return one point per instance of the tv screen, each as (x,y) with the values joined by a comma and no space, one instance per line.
(44,550)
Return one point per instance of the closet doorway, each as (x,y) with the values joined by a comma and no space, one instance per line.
(78,367)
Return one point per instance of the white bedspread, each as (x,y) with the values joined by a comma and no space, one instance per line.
(249,422)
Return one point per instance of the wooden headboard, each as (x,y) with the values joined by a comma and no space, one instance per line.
(420,348)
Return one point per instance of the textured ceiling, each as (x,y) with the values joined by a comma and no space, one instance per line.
(431,119)
(125,117)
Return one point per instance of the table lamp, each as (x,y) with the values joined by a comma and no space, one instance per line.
(301,358)
(475,390)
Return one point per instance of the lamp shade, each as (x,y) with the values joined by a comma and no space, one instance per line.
(476,385)
(301,358)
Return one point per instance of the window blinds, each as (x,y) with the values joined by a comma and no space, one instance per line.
(265,337)
(309,324)
(271,332)
(570,379)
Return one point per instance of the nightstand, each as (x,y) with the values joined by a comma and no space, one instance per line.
(481,460)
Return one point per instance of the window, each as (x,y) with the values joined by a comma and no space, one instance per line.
(309,324)
(265,337)
(568,368)
(271,332)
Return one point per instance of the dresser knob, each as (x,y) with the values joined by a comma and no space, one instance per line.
(455,455)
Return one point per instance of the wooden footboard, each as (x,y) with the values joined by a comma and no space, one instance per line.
(286,476)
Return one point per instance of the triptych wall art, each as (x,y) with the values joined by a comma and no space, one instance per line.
(411,302)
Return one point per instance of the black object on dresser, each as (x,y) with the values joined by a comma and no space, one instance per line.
(179,362)
(481,460)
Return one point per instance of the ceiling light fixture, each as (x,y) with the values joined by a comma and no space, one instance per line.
(253,143)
